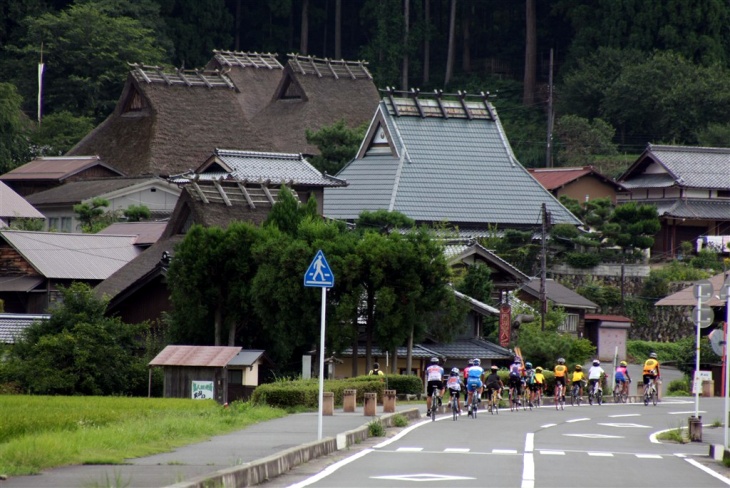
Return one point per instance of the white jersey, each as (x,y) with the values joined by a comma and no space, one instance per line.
(434,373)
(595,373)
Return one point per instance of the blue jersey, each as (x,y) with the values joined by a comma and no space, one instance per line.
(476,372)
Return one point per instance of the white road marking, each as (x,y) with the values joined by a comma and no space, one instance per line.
(409,449)
(552,453)
(685,413)
(456,449)
(528,462)
(627,425)
(601,454)
(626,415)
(576,420)
(547,426)
(708,471)
(595,436)
(648,456)
(330,469)
(679,455)
(504,451)
(400,434)
(529,442)
(422,477)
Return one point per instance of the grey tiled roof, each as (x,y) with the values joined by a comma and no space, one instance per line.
(649,181)
(695,209)
(419,352)
(276,167)
(695,167)
(559,294)
(471,348)
(451,169)
(12,325)
(73,256)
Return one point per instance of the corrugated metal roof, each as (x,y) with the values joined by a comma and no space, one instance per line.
(20,283)
(204,356)
(13,206)
(695,167)
(54,168)
(552,178)
(73,256)
(278,168)
(452,169)
(246,357)
(147,232)
(12,325)
(685,297)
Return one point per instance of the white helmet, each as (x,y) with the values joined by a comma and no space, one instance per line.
(596,362)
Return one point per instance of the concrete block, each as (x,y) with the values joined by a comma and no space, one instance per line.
(370,404)
(349,400)
(328,403)
(389,401)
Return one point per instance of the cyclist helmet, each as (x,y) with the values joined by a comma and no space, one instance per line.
(434,361)
(596,362)
(528,365)
(454,371)
(623,363)
(578,367)
(538,369)
(652,355)
(477,362)
(471,362)
(494,367)
(561,361)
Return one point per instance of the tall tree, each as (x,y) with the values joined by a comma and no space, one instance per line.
(528,94)
(452,44)
(14,128)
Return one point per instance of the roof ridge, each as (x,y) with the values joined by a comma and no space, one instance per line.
(668,148)
(247,59)
(259,154)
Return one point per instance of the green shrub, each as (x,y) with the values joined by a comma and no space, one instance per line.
(544,347)
(679,387)
(638,351)
(376,429)
(400,420)
(305,393)
(582,260)
(404,384)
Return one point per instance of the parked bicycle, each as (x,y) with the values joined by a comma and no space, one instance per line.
(575,397)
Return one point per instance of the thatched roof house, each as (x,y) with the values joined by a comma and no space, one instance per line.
(167,121)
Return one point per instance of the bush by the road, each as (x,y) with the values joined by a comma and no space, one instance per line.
(305,393)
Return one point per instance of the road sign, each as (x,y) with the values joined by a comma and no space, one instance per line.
(717,340)
(702,316)
(703,290)
(725,290)
(319,273)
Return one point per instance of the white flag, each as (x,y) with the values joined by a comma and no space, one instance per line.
(40,89)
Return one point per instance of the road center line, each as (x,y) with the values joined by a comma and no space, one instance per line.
(576,420)
(625,415)
(528,462)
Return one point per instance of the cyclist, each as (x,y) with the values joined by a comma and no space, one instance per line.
(474,382)
(622,377)
(493,382)
(595,374)
(434,380)
(515,379)
(578,378)
(539,382)
(529,375)
(454,384)
(466,375)
(561,371)
(651,371)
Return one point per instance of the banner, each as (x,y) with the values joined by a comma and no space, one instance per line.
(505,324)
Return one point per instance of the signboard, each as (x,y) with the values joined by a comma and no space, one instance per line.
(505,324)
(319,273)
(699,377)
(702,316)
(202,390)
(703,290)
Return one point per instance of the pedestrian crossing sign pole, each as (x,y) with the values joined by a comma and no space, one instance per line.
(319,275)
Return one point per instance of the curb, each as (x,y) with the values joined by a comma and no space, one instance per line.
(256,472)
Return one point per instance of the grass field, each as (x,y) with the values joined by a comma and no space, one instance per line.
(41,432)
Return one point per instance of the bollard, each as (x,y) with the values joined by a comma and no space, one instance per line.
(695,429)
(389,401)
(349,400)
(328,403)
(370,403)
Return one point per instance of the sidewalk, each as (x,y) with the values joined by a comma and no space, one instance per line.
(240,458)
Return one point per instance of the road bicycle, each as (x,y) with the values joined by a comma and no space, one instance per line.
(526,397)
(575,398)
(434,403)
(559,398)
(595,393)
(474,403)
(494,399)
(514,399)
(454,404)
(650,393)
(619,392)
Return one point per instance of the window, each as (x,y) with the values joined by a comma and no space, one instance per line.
(66,224)
(570,324)
(235,377)
(53,223)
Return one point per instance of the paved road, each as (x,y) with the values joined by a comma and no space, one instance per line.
(610,445)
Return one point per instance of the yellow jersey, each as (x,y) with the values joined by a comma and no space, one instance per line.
(650,366)
(560,371)
(539,378)
(578,376)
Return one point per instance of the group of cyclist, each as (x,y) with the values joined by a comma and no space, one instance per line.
(522,375)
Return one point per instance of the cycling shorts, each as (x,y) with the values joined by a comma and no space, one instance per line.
(473,384)
(454,393)
(649,377)
(535,386)
(594,381)
(560,380)
(514,382)
(434,384)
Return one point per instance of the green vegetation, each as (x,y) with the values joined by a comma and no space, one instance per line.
(679,387)
(376,429)
(677,435)
(400,420)
(41,432)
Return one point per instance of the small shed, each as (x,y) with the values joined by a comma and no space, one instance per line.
(192,371)
(245,371)
(608,333)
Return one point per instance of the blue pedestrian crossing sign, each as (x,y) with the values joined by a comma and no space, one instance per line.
(319,273)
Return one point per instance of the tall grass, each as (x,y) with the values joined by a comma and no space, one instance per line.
(40,432)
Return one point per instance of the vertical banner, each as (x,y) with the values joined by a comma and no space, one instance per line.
(40,89)
(505,324)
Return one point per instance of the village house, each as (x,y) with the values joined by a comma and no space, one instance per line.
(582,184)
(13,207)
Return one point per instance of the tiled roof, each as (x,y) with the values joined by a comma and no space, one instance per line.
(457,168)
(12,325)
(201,356)
(554,178)
(483,308)
(331,68)
(455,252)
(78,191)
(158,74)
(147,232)
(690,167)
(559,294)
(471,348)
(608,318)
(54,168)
(685,297)
(419,352)
(696,209)
(247,59)
(13,206)
(649,181)
(73,256)
(258,167)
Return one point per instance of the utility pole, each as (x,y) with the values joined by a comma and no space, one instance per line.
(543,266)
(550,117)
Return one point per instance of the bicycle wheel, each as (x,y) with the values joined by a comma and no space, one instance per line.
(474,404)
(434,402)
(617,394)
(455,408)
(495,403)
(654,397)
(599,397)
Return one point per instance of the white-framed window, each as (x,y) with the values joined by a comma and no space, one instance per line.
(570,324)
